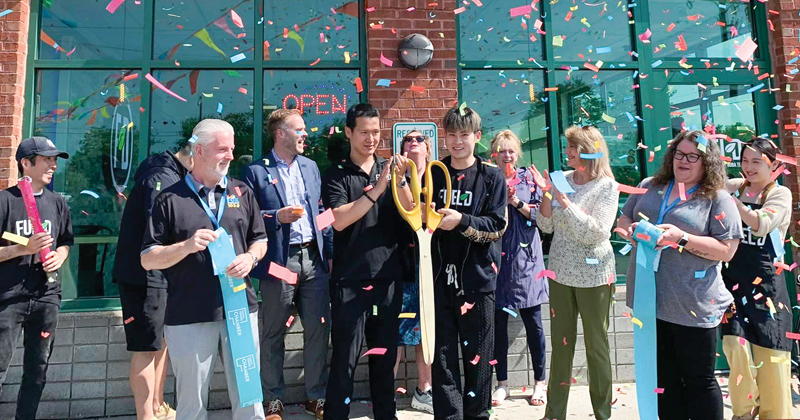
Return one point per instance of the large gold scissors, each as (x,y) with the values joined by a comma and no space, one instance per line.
(427,315)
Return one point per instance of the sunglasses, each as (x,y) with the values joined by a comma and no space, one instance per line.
(418,139)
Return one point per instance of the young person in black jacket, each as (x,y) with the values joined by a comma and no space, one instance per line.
(466,258)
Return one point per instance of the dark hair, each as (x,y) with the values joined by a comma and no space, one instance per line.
(31,158)
(454,120)
(360,111)
(714,174)
(764,146)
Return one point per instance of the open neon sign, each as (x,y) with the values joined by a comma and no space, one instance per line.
(323,104)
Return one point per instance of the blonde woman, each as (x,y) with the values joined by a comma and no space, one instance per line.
(583,262)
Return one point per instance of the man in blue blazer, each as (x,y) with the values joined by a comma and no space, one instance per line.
(287,186)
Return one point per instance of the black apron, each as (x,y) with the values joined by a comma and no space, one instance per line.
(749,317)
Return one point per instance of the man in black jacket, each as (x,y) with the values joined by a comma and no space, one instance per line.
(466,257)
(143,294)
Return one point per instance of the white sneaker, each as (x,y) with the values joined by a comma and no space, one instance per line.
(422,401)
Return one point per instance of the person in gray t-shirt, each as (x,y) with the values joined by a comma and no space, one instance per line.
(687,198)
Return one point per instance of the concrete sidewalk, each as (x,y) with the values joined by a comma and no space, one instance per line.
(624,407)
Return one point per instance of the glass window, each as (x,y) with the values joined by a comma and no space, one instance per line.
(324,105)
(699,28)
(497,31)
(510,99)
(80,29)
(607,101)
(729,109)
(311,30)
(94,116)
(584,30)
(219,30)
(222,94)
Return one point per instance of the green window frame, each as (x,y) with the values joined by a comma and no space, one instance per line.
(149,65)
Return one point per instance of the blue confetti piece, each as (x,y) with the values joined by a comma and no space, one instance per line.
(626,249)
(347,400)
(219,107)
(384,82)
(657,63)
(510,312)
(700,274)
(792,61)
(559,180)
(193,139)
(90,193)
(702,140)
(755,88)
(630,116)
(238,57)
(5,12)
(592,261)
(471,394)
(777,107)
(603,50)
(591,156)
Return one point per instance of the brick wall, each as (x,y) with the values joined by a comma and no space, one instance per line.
(13,56)
(390,23)
(785,46)
(88,374)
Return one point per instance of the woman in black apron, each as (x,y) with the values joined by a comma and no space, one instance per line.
(754,328)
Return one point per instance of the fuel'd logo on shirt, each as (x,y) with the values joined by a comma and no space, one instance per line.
(460,198)
(25,228)
(749,239)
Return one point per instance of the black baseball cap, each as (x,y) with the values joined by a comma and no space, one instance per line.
(41,146)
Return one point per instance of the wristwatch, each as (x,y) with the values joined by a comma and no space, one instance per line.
(520,205)
(402,183)
(255,260)
(684,240)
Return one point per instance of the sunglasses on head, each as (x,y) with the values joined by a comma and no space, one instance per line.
(418,139)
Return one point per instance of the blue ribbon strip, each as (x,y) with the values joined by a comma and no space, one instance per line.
(644,309)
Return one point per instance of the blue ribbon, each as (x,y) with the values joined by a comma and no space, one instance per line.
(644,309)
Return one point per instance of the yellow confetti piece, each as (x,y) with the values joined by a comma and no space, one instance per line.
(314,129)
(346,57)
(558,41)
(240,287)
(781,360)
(693,314)
(599,64)
(548,195)
(17,239)
(408,315)
(643,216)
(637,321)
(607,118)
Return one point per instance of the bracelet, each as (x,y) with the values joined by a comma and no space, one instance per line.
(370,198)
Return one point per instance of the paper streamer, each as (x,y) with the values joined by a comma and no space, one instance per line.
(559,181)
(114,5)
(237,318)
(158,84)
(644,310)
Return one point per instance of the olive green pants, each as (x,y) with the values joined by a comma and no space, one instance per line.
(593,305)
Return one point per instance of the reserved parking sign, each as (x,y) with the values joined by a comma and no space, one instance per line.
(426,128)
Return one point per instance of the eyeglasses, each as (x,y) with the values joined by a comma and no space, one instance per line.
(690,157)
(418,139)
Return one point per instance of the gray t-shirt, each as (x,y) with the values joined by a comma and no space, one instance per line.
(682,298)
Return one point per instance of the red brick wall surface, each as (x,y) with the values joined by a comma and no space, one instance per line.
(13,56)
(398,103)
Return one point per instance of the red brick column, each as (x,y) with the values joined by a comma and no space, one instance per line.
(13,56)
(398,103)
(784,46)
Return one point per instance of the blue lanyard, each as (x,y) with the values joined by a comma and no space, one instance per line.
(223,203)
(665,208)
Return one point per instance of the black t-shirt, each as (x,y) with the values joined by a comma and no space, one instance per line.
(367,249)
(464,185)
(193,291)
(24,277)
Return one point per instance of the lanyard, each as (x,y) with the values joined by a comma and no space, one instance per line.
(665,208)
(220,211)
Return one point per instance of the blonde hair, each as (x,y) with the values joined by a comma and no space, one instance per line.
(506,138)
(589,140)
(278,117)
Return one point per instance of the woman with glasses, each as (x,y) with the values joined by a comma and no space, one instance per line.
(418,149)
(518,292)
(583,262)
(755,326)
(702,228)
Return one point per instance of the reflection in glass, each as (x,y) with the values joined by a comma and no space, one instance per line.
(90,115)
(728,110)
(511,100)
(324,106)
(204,30)
(595,30)
(80,29)
(607,101)
(222,94)
(311,29)
(699,28)
(491,33)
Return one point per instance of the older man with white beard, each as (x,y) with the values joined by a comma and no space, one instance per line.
(185,220)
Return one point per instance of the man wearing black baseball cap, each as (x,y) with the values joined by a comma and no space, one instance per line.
(28,301)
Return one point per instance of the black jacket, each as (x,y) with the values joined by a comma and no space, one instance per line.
(475,242)
(155,174)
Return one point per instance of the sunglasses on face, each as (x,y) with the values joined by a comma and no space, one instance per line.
(690,157)
(418,139)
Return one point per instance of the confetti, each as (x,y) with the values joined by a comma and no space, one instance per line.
(289,322)
(282,273)
(237,20)
(325,219)
(383,82)
(510,312)
(746,50)
(547,274)
(158,84)
(386,62)
(592,261)
(659,390)
(521,10)
(466,306)
(407,315)
(475,360)
(90,193)
(359,86)
(401,390)
(627,189)
(591,156)
(128,321)
(637,321)
(377,351)
(114,5)
(494,362)
(682,191)
(17,239)
(45,334)
(5,12)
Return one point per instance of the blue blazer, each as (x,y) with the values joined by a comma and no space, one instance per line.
(271,197)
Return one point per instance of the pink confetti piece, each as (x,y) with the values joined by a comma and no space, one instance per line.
(786,159)
(282,273)
(494,362)
(460,10)
(289,322)
(243,91)
(114,5)
(401,390)
(742,341)
(659,390)
(377,351)
(325,219)
(386,62)
(476,359)
(466,306)
(627,189)
(565,341)
(237,20)
(519,11)
(368,288)
(646,35)
(370,9)
(478,3)
(128,321)
(746,50)
(158,84)
(45,334)
(322,319)
(547,274)
(71,51)
(682,191)
(793,336)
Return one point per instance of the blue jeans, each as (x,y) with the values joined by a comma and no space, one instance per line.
(38,320)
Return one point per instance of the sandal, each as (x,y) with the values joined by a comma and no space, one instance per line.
(539,394)
(499,395)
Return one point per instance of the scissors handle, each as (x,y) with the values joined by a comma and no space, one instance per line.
(432,218)
(413,216)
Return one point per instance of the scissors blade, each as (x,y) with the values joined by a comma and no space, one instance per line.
(427,314)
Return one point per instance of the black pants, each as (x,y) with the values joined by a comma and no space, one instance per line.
(534,334)
(38,320)
(474,332)
(353,319)
(686,358)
